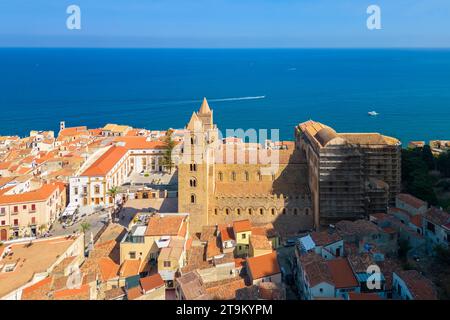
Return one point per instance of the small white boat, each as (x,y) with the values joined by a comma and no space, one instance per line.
(373,113)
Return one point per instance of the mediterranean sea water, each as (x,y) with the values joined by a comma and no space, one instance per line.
(247,88)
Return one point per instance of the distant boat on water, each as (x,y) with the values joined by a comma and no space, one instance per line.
(373,113)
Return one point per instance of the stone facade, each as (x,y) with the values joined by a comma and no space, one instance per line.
(215,190)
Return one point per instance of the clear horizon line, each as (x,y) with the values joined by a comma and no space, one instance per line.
(232,48)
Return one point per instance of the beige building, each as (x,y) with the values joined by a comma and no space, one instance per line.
(161,242)
(32,212)
(223,180)
(23,264)
(349,174)
(112,166)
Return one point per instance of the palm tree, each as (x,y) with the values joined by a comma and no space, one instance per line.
(84,227)
(170,145)
(113,193)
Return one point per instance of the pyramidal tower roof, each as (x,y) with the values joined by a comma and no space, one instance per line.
(192,123)
(204,109)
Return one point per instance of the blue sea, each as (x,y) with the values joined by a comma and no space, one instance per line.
(247,88)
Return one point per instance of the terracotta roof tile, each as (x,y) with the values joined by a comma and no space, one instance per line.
(263,266)
(151,282)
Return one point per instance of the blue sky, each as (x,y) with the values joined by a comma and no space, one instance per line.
(225,23)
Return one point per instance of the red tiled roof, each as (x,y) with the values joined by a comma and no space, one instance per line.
(242,226)
(263,266)
(417,220)
(40,194)
(130,268)
(342,273)
(105,162)
(411,200)
(134,293)
(151,282)
(226,233)
(164,225)
(420,287)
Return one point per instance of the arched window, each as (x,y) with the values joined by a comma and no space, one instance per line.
(227,211)
(220,176)
(273,211)
(247,176)
(192,140)
(193,167)
(193,198)
(261,211)
(193,182)
(233,176)
(215,211)
(250,211)
(238,211)
(295,211)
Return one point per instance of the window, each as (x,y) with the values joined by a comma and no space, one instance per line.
(227,211)
(284,211)
(215,211)
(247,176)
(261,211)
(250,211)
(244,236)
(33,207)
(193,167)
(307,211)
(220,176)
(132,254)
(16,209)
(273,211)
(166,264)
(233,176)
(193,182)
(75,191)
(33,220)
(16,222)
(2,211)
(97,189)
(259,176)
(295,211)
(192,198)
(24,207)
(238,211)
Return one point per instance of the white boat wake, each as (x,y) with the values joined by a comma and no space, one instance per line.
(238,99)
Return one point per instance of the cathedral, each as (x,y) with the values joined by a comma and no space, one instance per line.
(221,180)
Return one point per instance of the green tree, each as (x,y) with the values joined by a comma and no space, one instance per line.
(169,145)
(443,163)
(415,175)
(84,227)
(428,157)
